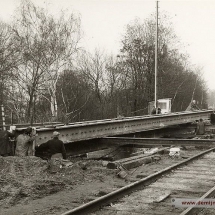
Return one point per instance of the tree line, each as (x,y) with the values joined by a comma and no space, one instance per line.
(47,76)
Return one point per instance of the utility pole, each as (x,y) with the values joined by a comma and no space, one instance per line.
(156,53)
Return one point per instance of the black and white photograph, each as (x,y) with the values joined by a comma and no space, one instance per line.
(107,107)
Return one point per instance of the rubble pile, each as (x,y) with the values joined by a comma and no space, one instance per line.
(28,178)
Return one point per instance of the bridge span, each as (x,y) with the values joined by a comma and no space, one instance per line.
(86,130)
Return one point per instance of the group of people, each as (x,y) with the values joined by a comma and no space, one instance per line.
(23,144)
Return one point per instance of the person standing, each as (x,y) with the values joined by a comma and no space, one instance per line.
(159,110)
(54,146)
(200,130)
(6,146)
(24,143)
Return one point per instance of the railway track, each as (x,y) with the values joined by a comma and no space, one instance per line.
(189,179)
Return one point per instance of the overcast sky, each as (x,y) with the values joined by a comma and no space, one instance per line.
(104,21)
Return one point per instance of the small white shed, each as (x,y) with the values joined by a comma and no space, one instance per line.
(164,104)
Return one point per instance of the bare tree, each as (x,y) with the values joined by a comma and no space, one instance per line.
(92,66)
(47,46)
(9,57)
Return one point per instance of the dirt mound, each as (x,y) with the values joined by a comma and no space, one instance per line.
(28,178)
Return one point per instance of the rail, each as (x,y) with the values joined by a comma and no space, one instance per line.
(104,200)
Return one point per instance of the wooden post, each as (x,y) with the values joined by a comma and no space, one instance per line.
(34,133)
(3,118)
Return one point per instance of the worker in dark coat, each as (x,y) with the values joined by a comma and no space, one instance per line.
(159,110)
(55,146)
(200,130)
(6,146)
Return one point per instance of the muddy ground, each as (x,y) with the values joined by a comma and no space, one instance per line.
(31,185)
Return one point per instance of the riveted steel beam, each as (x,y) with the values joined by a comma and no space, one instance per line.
(112,127)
